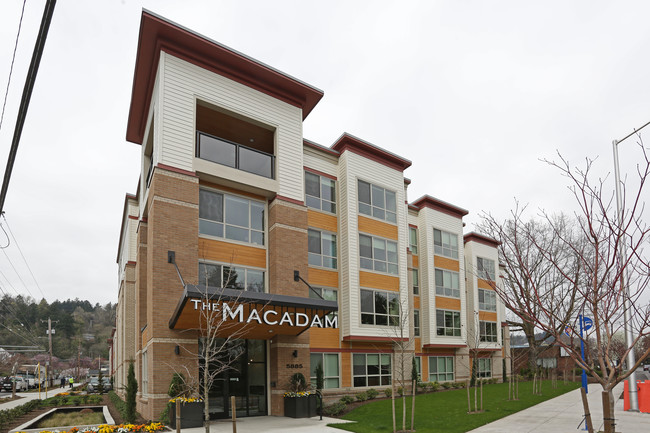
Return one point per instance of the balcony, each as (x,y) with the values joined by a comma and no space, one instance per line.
(235,155)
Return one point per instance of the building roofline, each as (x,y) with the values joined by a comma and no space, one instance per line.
(482,239)
(160,34)
(439,205)
(127,197)
(368,150)
(320,147)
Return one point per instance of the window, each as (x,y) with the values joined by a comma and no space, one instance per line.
(377,202)
(416,323)
(488,332)
(484,367)
(547,362)
(322,249)
(232,277)
(445,243)
(413,240)
(379,307)
(441,368)
(231,217)
(330,364)
(378,254)
(416,281)
(487,300)
(448,323)
(485,268)
(447,283)
(145,373)
(418,367)
(371,369)
(320,192)
(326,294)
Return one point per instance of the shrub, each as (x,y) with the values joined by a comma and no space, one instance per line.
(459,385)
(177,385)
(446,385)
(334,409)
(388,392)
(423,385)
(131,391)
(347,399)
(118,403)
(372,393)
(298,383)
(164,415)
(320,378)
(400,390)
(362,396)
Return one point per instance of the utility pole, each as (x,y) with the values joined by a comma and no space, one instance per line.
(78,359)
(50,331)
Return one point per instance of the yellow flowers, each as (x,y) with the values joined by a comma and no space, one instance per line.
(186,400)
(110,428)
(297,394)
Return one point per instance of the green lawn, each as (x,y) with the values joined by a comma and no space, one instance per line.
(446,411)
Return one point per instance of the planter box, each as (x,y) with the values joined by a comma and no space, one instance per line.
(296,407)
(191,415)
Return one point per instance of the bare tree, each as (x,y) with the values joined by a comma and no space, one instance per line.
(403,344)
(593,285)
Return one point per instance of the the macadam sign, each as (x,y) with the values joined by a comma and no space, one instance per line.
(267,315)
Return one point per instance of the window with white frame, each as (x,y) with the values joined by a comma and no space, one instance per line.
(231,217)
(322,248)
(377,202)
(231,277)
(484,367)
(145,373)
(418,367)
(379,307)
(320,192)
(413,240)
(447,283)
(330,364)
(416,281)
(441,368)
(445,243)
(547,362)
(378,254)
(488,332)
(325,293)
(371,369)
(448,323)
(487,300)
(416,323)
(485,268)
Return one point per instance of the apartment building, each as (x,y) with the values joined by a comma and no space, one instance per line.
(314,252)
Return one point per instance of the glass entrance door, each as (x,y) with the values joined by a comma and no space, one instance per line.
(238,369)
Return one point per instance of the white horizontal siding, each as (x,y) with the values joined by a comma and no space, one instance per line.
(317,161)
(185,83)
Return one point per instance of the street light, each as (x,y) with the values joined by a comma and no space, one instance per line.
(634,401)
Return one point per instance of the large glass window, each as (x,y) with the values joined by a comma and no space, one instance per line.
(231,217)
(232,277)
(485,268)
(377,202)
(416,323)
(441,368)
(378,254)
(447,283)
(448,323)
(488,332)
(416,281)
(320,192)
(379,307)
(322,249)
(413,240)
(445,243)
(371,369)
(487,300)
(325,293)
(330,364)
(484,367)
(145,373)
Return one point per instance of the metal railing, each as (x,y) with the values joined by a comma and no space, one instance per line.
(235,155)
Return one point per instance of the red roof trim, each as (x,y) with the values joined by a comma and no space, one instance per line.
(320,147)
(370,151)
(287,199)
(439,205)
(369,338)
(176,170)
(320,173)
(359,350)
(158,33)
(481,239)
(443,346)
(434,354)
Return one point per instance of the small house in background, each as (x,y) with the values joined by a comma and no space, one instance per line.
(553,356)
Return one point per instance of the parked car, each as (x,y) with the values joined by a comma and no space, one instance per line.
(93,385)
(21,383)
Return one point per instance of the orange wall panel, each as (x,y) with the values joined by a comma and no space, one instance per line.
(227,253)
(484,284)
(378,228)
(322,277)
(447,303)
(346,370)
(446,263)
(416,302)
(416,262)
(324,338)
(487,316)
(378,281)
(323,221)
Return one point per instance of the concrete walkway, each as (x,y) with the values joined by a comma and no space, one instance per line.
(32,395)
(564,413)
(264,424)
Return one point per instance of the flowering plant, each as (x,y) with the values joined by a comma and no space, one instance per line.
(109,428)
(186,399)
(298,394)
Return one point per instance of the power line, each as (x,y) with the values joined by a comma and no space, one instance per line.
(13,58)
(22,255)
(16,271)
(27,94)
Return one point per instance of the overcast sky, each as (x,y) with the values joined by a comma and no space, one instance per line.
(475,93)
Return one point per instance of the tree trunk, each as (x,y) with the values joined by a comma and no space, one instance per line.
(608,411)
(392,397)
(585,405)
(206,403)
(413,407)
(403,408)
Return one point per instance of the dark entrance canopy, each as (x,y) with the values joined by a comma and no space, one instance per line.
(247,314)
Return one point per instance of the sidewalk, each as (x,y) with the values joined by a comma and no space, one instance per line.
(564,413)
(27,396)
(264,424)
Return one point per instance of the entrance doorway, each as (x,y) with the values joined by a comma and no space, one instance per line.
(239,369)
